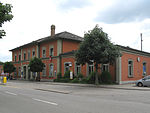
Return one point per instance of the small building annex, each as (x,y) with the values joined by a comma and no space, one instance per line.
(57,53)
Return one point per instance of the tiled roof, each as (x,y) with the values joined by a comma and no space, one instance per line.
(63,35)
(128,49)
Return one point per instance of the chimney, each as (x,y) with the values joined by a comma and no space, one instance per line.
(52,30)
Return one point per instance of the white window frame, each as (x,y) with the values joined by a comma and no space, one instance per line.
(106,67)
(19,57)
(67,66)
(132,69)
(29,55)
(51,53)
(51,74)
(33,50)
(44,71)
(43,55)
(92,68)
(24,54)
(76,68)
(144,73)
(15,59)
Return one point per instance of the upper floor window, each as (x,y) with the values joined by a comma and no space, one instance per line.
(19,57)
(44,52)
(33,53)
(144,68)
(24,56)
(28,55)
(130,68)
(15,57)
(51,51)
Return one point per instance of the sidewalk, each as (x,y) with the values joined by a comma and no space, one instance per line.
(69,87)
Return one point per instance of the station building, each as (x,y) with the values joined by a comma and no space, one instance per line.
(57,53)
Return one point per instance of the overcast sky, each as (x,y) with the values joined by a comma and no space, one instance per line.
(122,20)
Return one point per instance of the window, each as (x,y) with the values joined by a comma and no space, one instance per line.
(28,55)
(106,67)
(43,52)
(67,68)
(19,71)
(24,56)
(44,71)
(51,70)
(33,53)
(78,69)
(15,58)
(19,57)
(91,68)
(130,68)
(144,68)
(51,52)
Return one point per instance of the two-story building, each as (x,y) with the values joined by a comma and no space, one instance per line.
(57,53)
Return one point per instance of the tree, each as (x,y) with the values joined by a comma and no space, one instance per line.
(96,48)
(8,68)
(5,15)
(36,65)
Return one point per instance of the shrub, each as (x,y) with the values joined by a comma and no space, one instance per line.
(80,75)
(106,77)
(65,80)
(84,80)
(67,74)
(59,75)
(75,80)
(91,78)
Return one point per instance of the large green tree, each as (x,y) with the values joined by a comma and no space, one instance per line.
(5,15)
(96,48)
(36,65)
(8,68)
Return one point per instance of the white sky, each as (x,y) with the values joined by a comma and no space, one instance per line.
(122,20)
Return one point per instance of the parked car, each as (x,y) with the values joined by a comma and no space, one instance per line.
(144,81)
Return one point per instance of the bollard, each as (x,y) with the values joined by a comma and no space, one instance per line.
(4,80)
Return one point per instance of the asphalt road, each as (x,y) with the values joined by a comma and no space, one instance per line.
(15,99)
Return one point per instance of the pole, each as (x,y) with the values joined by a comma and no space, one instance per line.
(141,41)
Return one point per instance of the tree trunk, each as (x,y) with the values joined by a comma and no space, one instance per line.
(96,76)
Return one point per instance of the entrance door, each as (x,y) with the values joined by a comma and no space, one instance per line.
(24,72)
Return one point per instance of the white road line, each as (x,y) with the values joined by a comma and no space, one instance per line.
(45,101)
(10,93)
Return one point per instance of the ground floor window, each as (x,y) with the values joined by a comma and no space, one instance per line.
(51,70)
(130,68)
(19,71)
(67,66)
(44,71)
(105,67)
(91,68)
(78,69)
(144,68)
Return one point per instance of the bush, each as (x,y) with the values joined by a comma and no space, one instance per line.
(59,75)
(75,80)
(91,78)
(80,75)
(84,81)
(67,74)
(106,77)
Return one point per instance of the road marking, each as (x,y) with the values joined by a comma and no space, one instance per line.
(10,93)
(45,101)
